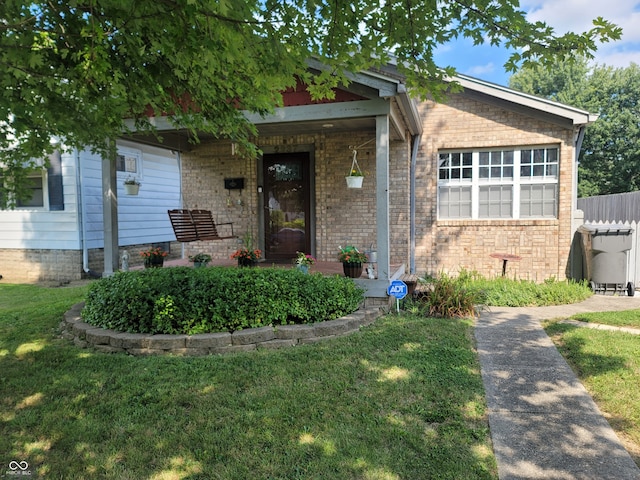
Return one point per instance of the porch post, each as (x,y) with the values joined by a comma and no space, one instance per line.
(382,197)
(110,213)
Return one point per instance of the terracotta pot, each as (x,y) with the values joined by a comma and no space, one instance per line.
(352,270)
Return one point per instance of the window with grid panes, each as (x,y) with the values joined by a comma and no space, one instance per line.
(510,183)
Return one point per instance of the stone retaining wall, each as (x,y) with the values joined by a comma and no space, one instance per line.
(110,341)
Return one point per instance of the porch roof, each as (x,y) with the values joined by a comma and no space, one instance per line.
(381,93)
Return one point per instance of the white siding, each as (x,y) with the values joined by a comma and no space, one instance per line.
(39,228)
(141,219)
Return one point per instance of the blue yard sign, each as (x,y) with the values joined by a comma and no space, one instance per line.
(397,289)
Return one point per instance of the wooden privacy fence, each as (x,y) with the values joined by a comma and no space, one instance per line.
(621,208)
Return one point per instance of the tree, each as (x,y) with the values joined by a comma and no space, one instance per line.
(609,161)
(74,69)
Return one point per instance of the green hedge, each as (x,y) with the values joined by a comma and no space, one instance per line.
(217,299)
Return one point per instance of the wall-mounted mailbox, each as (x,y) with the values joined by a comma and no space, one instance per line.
(234,183)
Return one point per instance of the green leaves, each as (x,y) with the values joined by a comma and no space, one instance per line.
(186,300)
(610,156)
(77,69)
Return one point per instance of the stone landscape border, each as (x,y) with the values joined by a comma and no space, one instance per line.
(84,335)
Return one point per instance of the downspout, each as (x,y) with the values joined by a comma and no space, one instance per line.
(574,262)
(578,147)
(415,143)
(82,220)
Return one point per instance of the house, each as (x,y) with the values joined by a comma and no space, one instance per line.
(489,171)
(59,234)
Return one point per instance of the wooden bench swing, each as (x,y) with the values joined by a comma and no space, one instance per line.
(192,225)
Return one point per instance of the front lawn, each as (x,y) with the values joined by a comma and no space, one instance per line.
(608,365)
(402,399)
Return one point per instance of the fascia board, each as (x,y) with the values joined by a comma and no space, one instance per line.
(575,115)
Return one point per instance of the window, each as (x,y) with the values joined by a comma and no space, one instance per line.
(35,194)
(498,183)
(35,197)
(129,164)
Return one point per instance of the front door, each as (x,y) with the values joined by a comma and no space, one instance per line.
(287,205)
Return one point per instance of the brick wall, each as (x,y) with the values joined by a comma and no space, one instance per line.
(63,266)
(451,245)
(31,266)
(342,216)
(348,216)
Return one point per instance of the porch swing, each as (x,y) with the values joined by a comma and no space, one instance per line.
(192,225)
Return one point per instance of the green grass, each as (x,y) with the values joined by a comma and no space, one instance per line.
(608,365)
(506,292)
(402,399)
(628,318)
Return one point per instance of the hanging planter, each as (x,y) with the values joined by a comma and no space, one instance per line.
(131,189)
(131,186)
(355,177)
(354,181)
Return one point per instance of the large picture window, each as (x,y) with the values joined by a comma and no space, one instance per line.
(486,184)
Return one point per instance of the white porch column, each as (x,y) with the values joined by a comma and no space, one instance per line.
(382,197)
(110,214)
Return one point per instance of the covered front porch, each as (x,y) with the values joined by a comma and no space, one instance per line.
(313,143)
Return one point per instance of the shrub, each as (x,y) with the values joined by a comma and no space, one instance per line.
(449,296)
(187,300)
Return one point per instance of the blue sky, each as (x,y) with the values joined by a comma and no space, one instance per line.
(487,63)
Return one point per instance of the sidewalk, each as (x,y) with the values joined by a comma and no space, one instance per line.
(544,424)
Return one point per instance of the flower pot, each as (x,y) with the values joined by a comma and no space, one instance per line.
(303,268)
(199,264)
(352,270)
(153,262)
(354,181)
(246,262)
(131,189)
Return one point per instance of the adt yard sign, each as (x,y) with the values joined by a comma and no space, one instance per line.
(397,289)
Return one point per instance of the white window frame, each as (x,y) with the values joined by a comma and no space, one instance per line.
(40,173)
(549,178)
(131,156)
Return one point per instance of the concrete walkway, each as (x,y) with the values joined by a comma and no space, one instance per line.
(544,424)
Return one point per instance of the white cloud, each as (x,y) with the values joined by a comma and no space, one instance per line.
(577,16)
(480,70)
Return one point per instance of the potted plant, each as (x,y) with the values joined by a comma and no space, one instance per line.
(153,257)
(355,177)
(247,256)
(200,259)
(304,261)
(352,260)
(132,186)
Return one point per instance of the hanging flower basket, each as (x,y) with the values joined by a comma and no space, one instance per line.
(354,181)
(131,189)
(131,186)
(355,177)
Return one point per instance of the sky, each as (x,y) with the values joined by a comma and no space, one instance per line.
(487,63)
